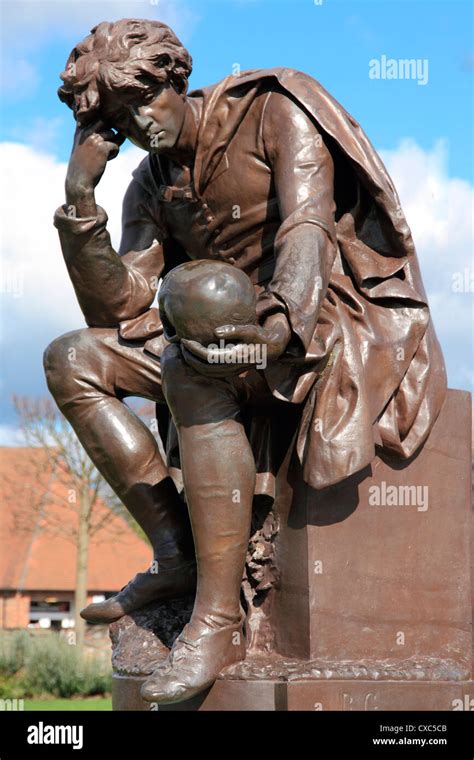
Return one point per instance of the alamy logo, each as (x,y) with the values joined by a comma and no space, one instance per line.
(399,68)
(244,353)
(12,704)
(41,734)
(467,703)
(385,495)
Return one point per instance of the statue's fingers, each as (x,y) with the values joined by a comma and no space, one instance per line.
(192,360)
(119,138)
(246,333)
(107,135)
(113,137)
(108,149)
(94,127)
(196,348)
(189,357)
(114,151)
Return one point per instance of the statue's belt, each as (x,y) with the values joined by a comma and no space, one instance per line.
(169,193)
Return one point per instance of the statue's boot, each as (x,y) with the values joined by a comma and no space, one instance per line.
(219,477)
(194,663)
(172,574)
(144,588)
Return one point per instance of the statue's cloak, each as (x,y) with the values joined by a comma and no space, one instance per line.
(374,374)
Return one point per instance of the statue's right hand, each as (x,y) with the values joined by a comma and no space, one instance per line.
(93,146)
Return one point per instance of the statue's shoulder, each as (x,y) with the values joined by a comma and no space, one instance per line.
(286,76)
(298,85)
(305,90)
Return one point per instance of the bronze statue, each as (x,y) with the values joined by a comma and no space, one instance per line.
(267,173)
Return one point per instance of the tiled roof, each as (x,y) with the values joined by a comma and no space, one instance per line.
(35,556)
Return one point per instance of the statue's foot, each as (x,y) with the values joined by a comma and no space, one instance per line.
(170,583)
(194,663)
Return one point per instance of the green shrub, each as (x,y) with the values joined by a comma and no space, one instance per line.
(14,646)
(51,667)
(97,676)
(11,688)
(45,664)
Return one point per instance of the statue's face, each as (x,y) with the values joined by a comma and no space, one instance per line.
(152,119)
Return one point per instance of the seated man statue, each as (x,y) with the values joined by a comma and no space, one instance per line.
(266,172)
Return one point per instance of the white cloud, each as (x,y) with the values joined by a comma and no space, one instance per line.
(38,302)
(27,24)
(438,207)
(35,280)
(439,210)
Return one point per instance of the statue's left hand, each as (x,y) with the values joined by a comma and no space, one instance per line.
(271,340)
(93,147)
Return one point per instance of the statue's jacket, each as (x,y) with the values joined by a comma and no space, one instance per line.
(287,187)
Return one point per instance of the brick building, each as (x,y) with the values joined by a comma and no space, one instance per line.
(38,561)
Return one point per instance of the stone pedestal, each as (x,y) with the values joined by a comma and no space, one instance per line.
(373,606)
(309,695)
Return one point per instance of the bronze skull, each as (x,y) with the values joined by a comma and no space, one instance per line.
(198,296)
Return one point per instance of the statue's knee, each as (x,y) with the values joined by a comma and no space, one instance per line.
(193,398)
(60,363)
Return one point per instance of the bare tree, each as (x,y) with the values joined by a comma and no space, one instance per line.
(58,483)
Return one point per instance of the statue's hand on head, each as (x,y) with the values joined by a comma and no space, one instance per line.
(93,146)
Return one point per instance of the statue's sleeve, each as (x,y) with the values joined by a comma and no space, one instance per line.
(305,243)
(112,287)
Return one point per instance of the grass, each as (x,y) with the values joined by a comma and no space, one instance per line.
(93,703)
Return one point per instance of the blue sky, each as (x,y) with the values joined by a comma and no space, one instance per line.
(424,133)
(333,42)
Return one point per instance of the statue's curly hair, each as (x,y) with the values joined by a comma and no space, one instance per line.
(126,55)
